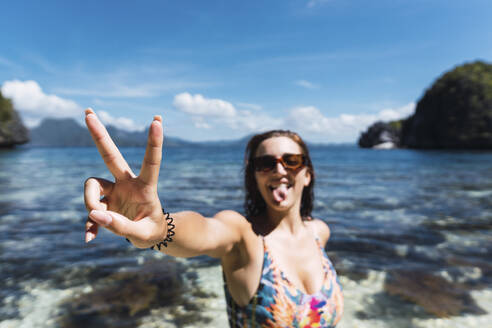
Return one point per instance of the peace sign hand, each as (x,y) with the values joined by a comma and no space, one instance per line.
(129,206)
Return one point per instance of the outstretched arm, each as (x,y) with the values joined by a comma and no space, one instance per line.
(130,206)
(197,235)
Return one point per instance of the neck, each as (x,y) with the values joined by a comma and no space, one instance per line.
(289,221)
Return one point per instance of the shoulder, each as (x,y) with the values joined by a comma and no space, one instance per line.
(223,233)
(321,229)
(233,220)
(246,241)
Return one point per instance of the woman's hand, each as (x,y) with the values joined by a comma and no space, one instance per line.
(129,206)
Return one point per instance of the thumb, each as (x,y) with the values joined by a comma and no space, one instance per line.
(122,226)
(101,217)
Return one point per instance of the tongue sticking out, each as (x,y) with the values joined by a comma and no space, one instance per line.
(280,193)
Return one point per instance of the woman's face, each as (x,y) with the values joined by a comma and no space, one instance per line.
(281,188)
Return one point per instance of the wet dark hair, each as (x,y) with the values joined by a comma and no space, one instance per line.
(254,205)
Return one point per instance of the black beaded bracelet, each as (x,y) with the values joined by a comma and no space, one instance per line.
(170,232)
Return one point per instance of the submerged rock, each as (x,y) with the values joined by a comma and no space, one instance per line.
(124,298)
(12,130)
(434,294)
(477,272)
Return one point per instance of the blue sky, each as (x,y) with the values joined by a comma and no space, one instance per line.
(224,69)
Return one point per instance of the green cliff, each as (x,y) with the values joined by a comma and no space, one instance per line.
(12,131)
(455,112)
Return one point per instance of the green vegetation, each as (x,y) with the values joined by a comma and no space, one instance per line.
(455,112)
(12,131)
(6,109)
(396,124)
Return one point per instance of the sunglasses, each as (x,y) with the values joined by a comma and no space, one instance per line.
(267,163)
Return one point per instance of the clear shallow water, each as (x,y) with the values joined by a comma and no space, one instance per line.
(429,211)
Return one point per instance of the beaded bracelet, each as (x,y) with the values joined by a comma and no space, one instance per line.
(170,232)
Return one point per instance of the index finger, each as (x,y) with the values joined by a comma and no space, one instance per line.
(108,150)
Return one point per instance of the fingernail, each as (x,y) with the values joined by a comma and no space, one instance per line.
(101,217)
(89,236)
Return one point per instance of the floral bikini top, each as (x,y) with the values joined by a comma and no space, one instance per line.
(278,303)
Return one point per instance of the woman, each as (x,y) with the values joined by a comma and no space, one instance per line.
(275,269)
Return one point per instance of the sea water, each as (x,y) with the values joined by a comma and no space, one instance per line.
(425,213)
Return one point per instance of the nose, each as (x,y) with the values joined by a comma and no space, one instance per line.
(279,168)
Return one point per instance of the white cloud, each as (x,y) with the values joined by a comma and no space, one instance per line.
(199,105)
(309,121)
(249,121)
(207,113)
(199,123)
(306,84)
(249,106)
(34,105)
(119,122)
(313,124)
(397,113)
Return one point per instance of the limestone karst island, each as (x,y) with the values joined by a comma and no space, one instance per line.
(454,113)
(12,131)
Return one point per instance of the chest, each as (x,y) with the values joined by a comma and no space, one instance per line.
(302,267)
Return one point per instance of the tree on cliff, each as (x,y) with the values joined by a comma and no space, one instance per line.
(12,131)
(455,112)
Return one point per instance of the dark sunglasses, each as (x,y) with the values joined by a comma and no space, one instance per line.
(267,163)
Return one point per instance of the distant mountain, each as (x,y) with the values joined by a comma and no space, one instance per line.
(60,133)
(68,133)
(228,143)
